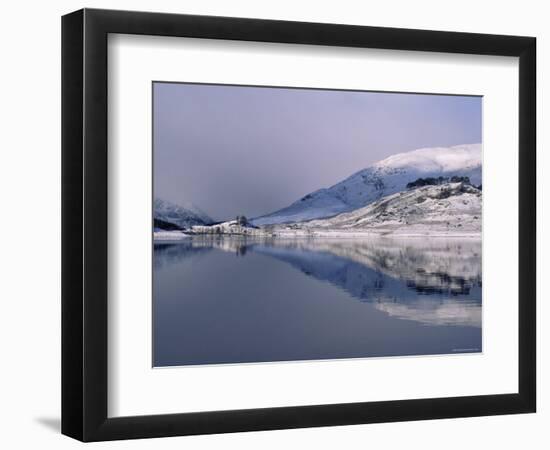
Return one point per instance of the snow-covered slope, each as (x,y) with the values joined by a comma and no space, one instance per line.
(233,227)
(447,208)
(183,216)
(385,177)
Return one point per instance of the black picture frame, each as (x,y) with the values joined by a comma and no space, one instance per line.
(84,224)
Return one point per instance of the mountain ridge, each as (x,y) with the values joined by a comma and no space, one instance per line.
(449,207)
(380,179)
(184,217)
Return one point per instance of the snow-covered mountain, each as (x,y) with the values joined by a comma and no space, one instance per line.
(445,208)
(383,178)
(183,216)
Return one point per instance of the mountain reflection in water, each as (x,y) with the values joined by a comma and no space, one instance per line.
(434,282)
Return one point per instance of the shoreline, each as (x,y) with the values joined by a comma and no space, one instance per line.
(174,236)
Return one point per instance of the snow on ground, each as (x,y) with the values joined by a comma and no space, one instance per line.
(229,227)
(451,208)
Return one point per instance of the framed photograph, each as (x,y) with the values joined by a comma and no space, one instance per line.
(273,224)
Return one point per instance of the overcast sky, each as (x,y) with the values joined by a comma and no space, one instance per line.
(248,150)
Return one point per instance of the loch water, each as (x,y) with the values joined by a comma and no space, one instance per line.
(229,299)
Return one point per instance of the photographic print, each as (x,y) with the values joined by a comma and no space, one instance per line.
(299,224)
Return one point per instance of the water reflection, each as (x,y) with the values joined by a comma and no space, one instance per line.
(168,254)
(433,282)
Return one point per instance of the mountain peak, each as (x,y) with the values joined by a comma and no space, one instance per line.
(444,159)
(382,178)
(183,216)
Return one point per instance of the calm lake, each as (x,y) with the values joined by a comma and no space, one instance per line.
(235,300)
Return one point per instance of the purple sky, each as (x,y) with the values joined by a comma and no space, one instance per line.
(247,150)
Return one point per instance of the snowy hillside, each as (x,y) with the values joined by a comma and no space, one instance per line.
(445,208)
(383,178)
(184,217)
(234,227)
